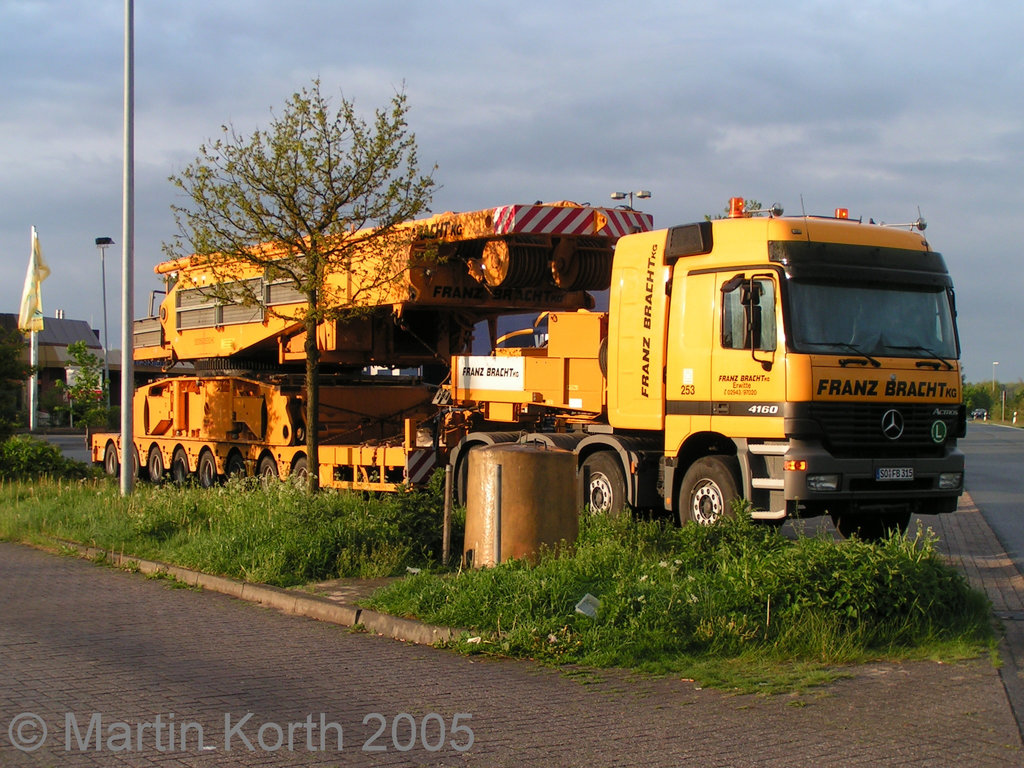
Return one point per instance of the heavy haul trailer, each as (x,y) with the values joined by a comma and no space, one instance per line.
(807,364)
(228,395)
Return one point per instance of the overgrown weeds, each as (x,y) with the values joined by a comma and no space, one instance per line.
(716,603)
(276,535)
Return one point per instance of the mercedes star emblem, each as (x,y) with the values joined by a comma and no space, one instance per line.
(892,424)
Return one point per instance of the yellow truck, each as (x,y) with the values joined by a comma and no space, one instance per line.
(224,388)
(806,364)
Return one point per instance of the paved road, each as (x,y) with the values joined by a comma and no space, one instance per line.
(995,480)
(72,446)
(83,645)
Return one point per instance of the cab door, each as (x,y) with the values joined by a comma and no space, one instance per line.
(691,329)
(748,372)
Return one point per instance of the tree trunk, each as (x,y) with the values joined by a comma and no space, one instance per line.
(312,398)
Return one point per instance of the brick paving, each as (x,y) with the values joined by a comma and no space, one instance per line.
(81,639)
(973,547)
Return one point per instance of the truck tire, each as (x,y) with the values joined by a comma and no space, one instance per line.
(709,488)
(300,469)
(155,465)
(267,470)
(206,469)
(602,485)
(870,526)
(110,463)
(179,467)
(235,466)
(460,476)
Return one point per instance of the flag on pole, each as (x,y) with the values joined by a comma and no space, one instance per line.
(31,316)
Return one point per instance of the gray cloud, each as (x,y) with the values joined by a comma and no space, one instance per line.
(877,107)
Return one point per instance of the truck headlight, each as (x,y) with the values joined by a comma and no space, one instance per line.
(950,481)
(823,482)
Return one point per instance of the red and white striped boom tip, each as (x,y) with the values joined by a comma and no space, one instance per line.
(569,220)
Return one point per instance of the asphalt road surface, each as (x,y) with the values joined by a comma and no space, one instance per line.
(72,446)
(995,480)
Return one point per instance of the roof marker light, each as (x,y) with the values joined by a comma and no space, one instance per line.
(736,207)
(842,213)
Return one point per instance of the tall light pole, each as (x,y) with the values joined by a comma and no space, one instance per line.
(994,377)
(641,194)
(102,243)
(128,258)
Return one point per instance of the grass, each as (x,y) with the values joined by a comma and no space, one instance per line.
(735,605)
(277,535)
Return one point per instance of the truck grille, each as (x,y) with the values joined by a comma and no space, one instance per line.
(856,429)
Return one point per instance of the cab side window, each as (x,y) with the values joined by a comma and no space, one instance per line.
(748,314)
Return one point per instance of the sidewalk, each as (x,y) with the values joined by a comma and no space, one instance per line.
(971,545)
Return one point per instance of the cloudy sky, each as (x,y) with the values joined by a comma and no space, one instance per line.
(878,106)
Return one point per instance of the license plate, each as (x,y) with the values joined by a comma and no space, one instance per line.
(894,473)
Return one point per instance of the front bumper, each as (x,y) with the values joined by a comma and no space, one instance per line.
(858,479)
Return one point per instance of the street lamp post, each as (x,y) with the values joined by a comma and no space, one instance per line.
(994,377)
(641,194)
(102,243)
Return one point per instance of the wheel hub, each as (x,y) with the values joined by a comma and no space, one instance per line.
(600,494)
(708,503)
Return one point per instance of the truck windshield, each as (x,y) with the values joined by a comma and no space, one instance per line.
(890,321)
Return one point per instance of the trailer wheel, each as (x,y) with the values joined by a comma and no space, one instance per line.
(235,466)
(266,470)
(870,526)
(602,486)
(207,469)
(110,463)
(137,469)
(155,465)
(709,488)
(300,469)
(179,467)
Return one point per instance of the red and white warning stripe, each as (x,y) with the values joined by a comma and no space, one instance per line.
(569,220)
(419,465)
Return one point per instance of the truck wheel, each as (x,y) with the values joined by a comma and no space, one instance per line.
(155,465)
(235,466)
(266,470)
(870,526)
(460,476)
(709,488)
(179,467)
(110,463)
(207,469)
(602,486)
(300,469)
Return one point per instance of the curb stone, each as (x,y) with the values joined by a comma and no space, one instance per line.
(284,600)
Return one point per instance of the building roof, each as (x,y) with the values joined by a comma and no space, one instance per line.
(55,337)
(58,331)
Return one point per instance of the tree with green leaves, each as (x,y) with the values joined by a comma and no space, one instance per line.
(319,192)
(13,373)
(85,388)
(978,396)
